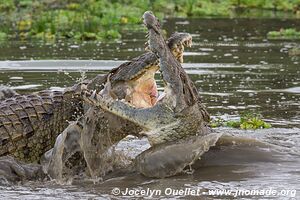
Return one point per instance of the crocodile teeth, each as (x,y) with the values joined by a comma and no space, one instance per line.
(147,35)
(190,43)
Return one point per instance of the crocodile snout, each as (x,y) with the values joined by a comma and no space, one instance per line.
(150,21)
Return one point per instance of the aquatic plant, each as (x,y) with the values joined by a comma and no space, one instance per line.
(289,33)
(217,122)
(247,120)
(253,121)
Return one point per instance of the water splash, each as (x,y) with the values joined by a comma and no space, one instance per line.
(98,153)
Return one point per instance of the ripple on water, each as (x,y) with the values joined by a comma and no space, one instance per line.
(292,90)
(26,87)
(16,78)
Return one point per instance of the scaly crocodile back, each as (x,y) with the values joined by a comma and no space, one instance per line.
(29,124)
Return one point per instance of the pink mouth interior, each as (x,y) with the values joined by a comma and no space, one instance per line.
(144,92)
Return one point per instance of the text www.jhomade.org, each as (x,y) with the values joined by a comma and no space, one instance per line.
(149,192)
(254,192)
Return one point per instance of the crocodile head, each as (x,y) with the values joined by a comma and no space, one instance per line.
(179,113)
(178,86)
(177,42)
(134,81)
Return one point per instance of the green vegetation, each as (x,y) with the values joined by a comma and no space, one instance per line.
(51,20)
(247,121)
(285,34)
(3,36)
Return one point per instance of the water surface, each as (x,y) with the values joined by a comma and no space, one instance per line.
(235,68)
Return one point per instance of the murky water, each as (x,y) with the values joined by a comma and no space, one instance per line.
(235,69)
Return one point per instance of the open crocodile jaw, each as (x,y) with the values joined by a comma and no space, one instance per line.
(142,92)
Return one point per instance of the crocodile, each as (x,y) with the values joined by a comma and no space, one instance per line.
(31,123)
(178,118)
